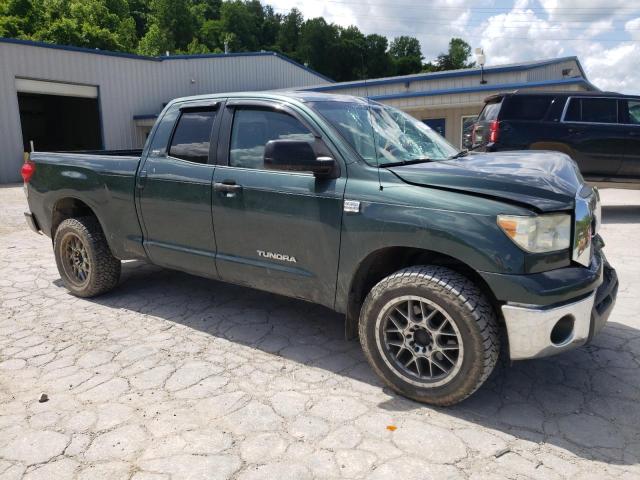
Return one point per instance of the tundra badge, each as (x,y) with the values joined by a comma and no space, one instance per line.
(277,256)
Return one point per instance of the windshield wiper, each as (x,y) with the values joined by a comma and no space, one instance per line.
(460,154)
(407,162)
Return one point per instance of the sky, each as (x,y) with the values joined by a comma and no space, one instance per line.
(604,34)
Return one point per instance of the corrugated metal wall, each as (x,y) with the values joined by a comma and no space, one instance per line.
(130,86)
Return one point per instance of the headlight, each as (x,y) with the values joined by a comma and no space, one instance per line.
(542,233)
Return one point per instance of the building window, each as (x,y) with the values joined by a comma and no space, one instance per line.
(466,130)
(437,124)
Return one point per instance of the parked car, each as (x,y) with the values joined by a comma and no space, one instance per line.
(600,131)
(350,204)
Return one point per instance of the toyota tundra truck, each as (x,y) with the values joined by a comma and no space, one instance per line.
(435,256)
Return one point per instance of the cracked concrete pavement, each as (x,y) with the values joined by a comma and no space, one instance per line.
(172,376)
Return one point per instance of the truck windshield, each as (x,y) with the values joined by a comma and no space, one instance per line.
(382,135)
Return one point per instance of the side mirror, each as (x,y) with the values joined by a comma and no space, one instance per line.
(296,156)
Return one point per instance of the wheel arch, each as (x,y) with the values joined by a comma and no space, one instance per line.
(385,261)
(70,207)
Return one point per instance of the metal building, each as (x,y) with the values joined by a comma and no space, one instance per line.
(449,102)
(69,98)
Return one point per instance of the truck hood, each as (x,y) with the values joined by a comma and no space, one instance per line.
(546,181)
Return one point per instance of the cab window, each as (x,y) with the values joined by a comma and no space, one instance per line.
(192,136)
(254,127)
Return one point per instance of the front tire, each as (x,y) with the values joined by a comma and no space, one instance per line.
(85,262)
(430,334)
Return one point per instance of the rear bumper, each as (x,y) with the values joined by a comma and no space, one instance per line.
(32,222)
(542,331)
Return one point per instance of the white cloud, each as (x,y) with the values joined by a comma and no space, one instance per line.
(633,27)
(612,69)
(587,10)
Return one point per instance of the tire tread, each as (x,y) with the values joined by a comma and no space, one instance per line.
(106,267)
(451,283)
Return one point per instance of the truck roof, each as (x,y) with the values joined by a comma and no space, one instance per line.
(298,95)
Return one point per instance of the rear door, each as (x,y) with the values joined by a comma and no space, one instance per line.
(596,138)
(174,189)
(630,111)
(275,231)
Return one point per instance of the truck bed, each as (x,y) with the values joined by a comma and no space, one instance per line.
(104,181)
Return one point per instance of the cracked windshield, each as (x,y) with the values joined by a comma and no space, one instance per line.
(382,135)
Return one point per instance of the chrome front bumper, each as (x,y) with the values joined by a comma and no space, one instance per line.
(531,330)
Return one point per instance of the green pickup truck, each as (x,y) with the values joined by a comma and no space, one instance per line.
(435,256)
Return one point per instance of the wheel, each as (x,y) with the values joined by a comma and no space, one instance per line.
(84,260)
(430,334)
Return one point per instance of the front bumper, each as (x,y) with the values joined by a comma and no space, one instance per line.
(542,331)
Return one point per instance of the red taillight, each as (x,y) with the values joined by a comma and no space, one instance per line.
(494,129)
(27,171)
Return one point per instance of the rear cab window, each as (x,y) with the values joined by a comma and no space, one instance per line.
(192,136)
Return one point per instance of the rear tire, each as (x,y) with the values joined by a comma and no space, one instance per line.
(430,334)
(85,262)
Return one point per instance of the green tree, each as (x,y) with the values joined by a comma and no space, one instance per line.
(317,46)
(240,19)
(406,55)
(104,24)
(155,42)
(289,32)
(172,27)
(457,57)
(20,18)
(377,58)
(270,29)
(349,57)
(139,11)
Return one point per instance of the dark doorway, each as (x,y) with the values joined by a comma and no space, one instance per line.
(56,123)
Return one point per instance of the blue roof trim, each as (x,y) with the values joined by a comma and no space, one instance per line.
(133,56)
(447,74)
(484,88)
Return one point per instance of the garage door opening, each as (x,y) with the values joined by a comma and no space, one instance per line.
(57,120)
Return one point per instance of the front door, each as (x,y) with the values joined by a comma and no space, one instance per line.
(275,231)
(174,191)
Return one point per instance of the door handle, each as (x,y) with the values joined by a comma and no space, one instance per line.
(228,186)
(141,179)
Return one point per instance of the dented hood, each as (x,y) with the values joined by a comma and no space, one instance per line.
(546,181)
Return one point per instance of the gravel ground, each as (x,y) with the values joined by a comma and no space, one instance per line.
(172,376)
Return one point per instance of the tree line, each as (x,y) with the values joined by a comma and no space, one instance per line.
(154,27)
